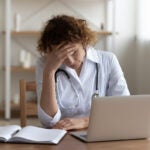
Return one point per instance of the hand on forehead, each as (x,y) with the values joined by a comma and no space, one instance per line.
(67,45)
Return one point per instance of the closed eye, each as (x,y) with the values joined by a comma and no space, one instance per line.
(74,52)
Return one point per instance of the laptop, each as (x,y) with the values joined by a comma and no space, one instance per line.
(117,118)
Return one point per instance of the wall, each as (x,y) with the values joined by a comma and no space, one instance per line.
(125,41)
(143,64)
(143,47)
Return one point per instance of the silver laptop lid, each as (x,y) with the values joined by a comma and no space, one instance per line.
(121,117)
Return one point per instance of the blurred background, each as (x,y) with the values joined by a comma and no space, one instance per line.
(123,28)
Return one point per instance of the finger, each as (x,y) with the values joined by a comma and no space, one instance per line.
(57,126)
(69,127)
(65,123)
(65,44)
(61,45)
(61,57)
(64,126)
(60,124)
(65,51)
(67,47)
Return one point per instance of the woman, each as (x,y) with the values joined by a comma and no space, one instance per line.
(65,95)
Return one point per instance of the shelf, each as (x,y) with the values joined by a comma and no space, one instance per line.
(21,69)
(15,108)
(39,32)
(24,32)
(105,33)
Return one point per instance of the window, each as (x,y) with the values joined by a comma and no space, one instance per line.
(143,19)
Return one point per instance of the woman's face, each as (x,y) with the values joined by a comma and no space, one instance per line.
(75,59)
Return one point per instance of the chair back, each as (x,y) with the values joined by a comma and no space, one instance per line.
(27,107)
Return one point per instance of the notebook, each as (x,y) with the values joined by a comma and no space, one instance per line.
(30,134)
(117,118)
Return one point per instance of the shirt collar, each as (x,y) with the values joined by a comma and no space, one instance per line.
(92,54)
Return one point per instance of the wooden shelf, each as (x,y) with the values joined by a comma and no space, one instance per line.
(21,69)
(105,33)
(15,108)
(24,32)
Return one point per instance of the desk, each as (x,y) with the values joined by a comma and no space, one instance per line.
(71,143)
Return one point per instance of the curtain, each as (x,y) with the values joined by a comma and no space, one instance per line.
(143,20)
(143,46)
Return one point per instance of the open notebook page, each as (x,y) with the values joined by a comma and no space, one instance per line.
(39,135)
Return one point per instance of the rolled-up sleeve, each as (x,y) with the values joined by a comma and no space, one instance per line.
(47,120)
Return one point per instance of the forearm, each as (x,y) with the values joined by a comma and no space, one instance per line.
(48,96)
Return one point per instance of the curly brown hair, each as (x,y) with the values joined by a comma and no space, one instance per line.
(63,28)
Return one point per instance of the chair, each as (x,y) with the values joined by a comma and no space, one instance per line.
(27,108)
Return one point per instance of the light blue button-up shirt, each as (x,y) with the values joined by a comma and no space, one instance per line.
(74,95)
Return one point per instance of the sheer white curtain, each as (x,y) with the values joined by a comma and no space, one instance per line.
(143,19)
(143,46)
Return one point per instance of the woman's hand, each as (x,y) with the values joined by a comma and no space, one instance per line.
(72,123)
(57,56)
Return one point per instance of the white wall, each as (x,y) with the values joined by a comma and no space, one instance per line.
(125,40)
(143,47)
(143,65)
